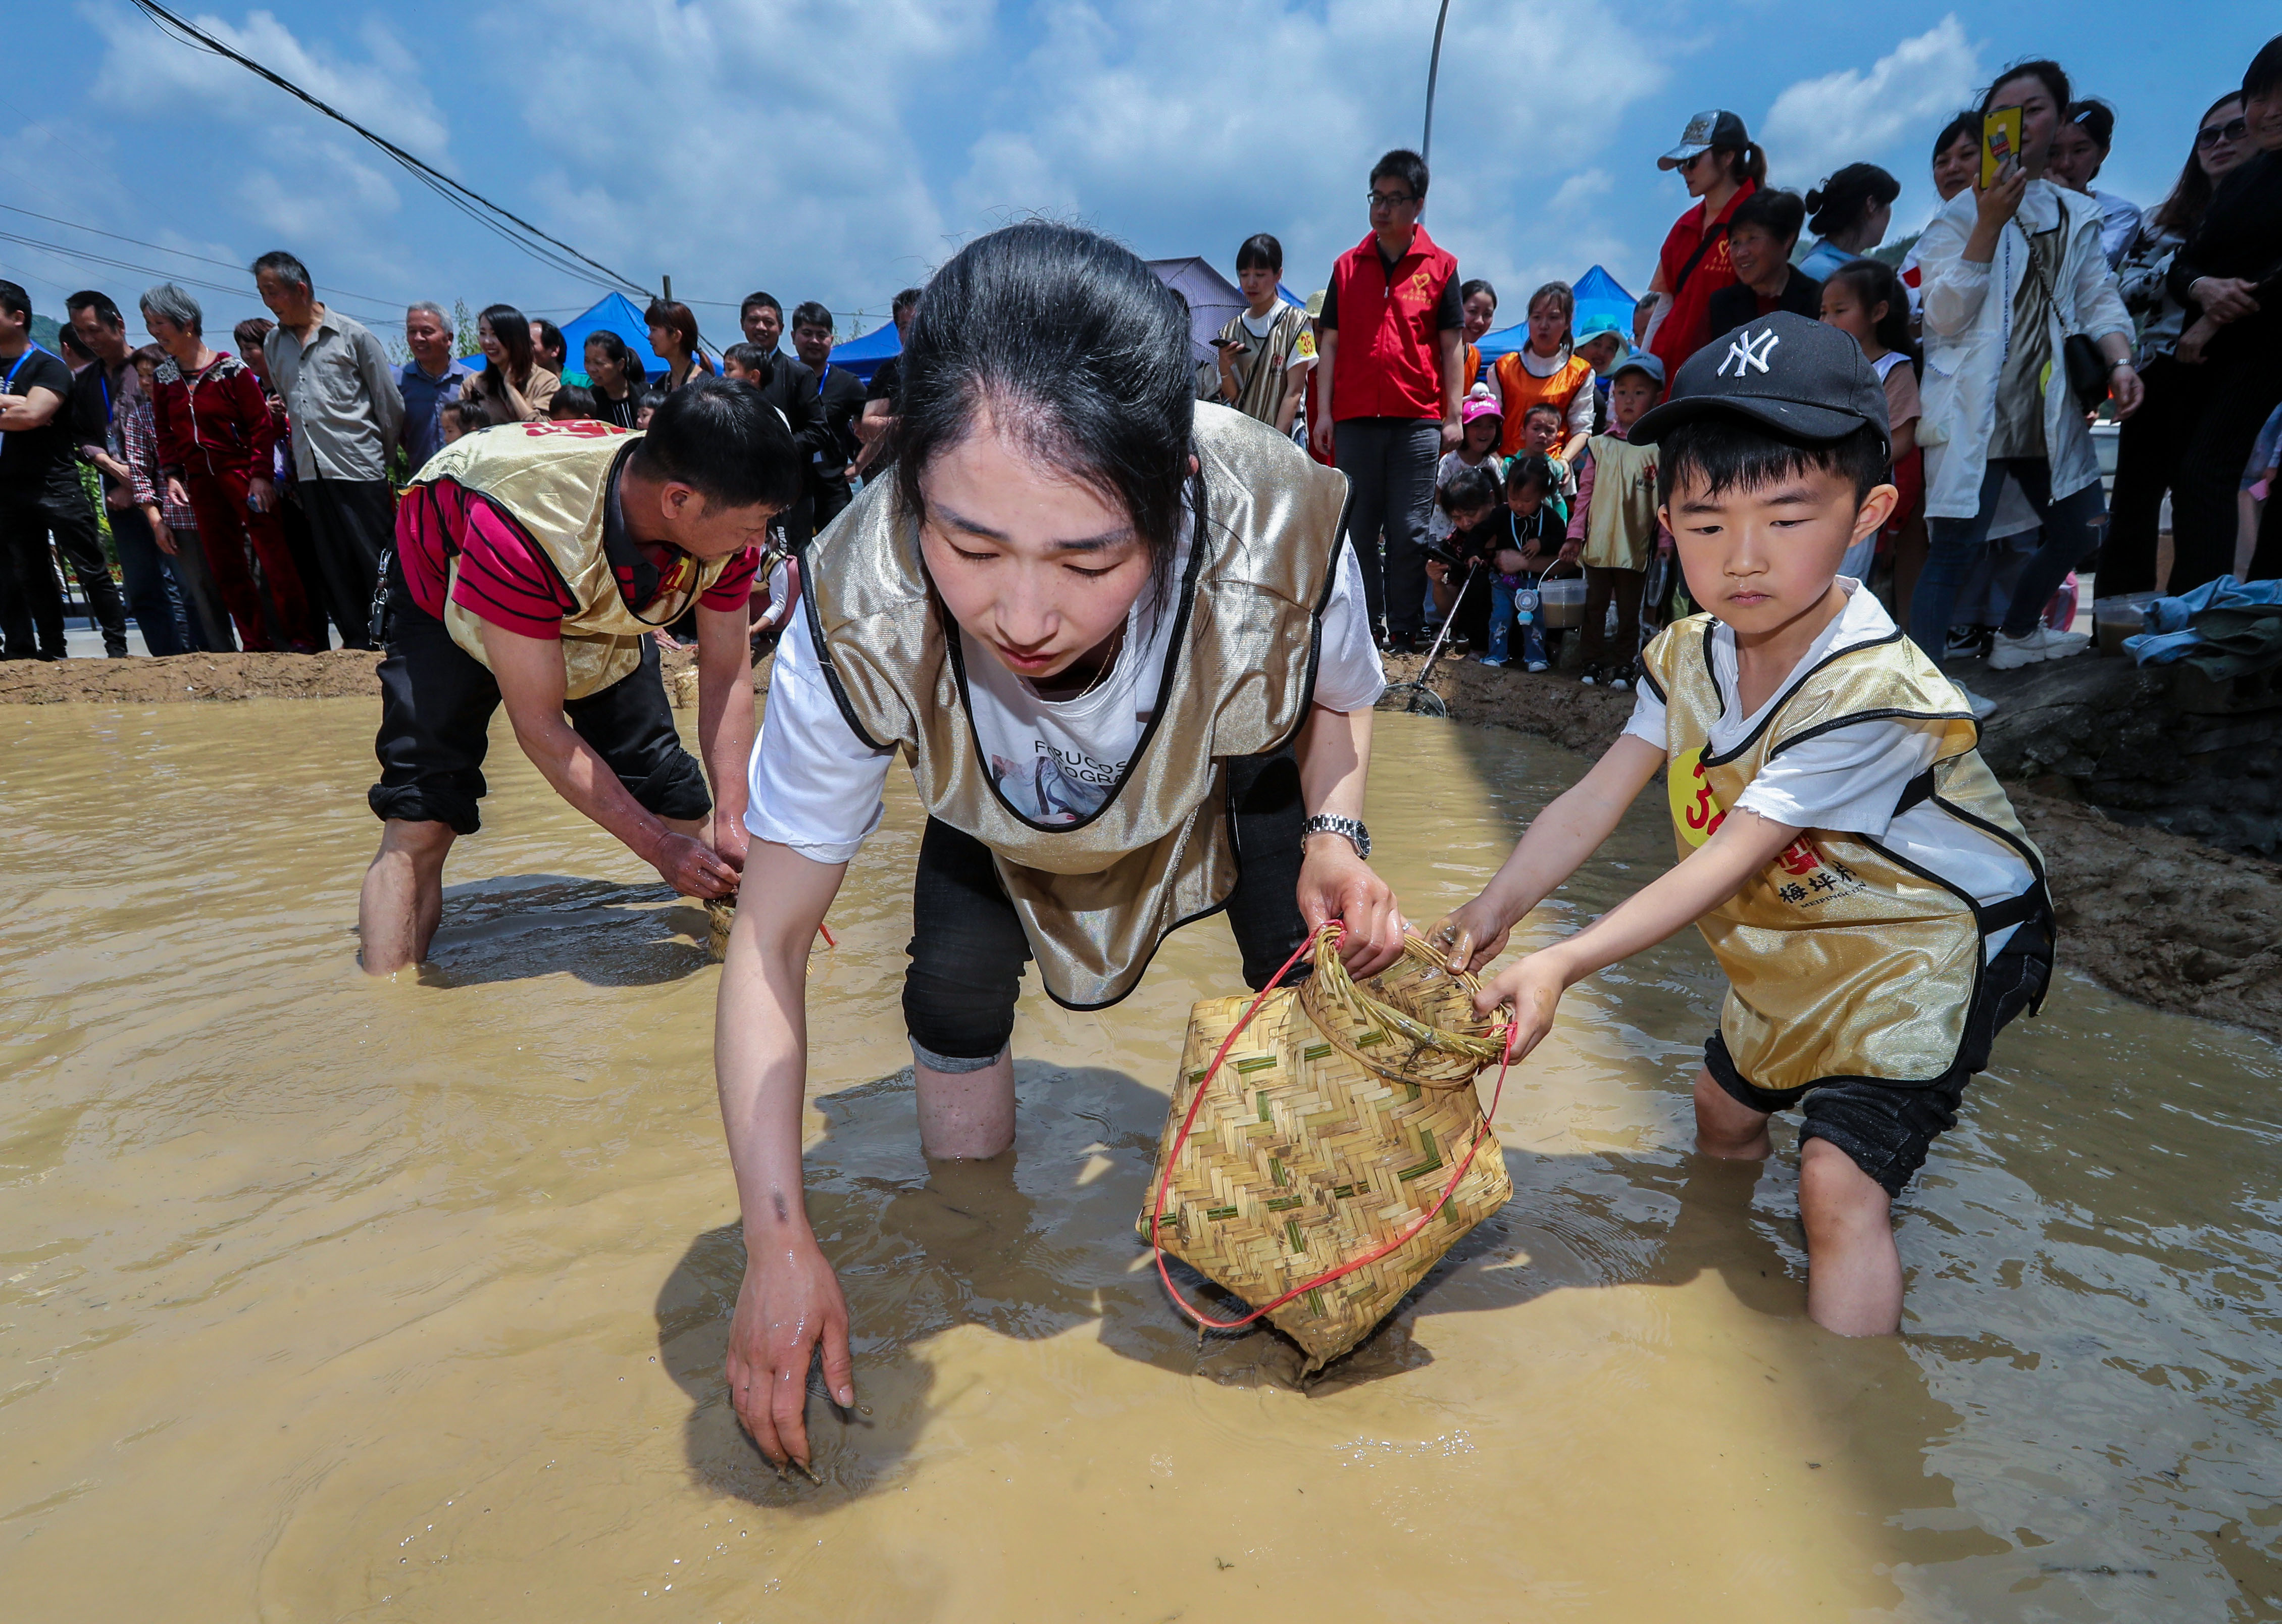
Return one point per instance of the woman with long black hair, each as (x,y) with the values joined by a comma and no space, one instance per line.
(512,387)
(618,378)
(673,334)
(1114,632)
(2153,440)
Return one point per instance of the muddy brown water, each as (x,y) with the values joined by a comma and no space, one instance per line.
(322,1300)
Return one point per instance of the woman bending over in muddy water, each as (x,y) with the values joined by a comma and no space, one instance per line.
(1115,635)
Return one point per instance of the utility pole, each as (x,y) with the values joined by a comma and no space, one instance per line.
(1433,70)
(667,282)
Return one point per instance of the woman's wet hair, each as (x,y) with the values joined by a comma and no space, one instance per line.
(1874,282)
(512,329)
(1777,212)
(617,351)
(2051,75)
(1470,490)
(1078,355)
(1840,203)
(725,442)
(1729,451)
(1262,251)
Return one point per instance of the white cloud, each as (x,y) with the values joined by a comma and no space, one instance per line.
(1816,125)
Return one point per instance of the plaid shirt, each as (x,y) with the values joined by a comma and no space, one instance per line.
(135,442)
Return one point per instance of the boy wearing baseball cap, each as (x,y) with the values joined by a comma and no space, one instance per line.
(1857,872)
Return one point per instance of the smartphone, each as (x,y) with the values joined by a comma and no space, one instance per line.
(2000,141)
(1227,343)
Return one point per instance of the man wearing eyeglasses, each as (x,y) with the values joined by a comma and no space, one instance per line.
(1387,406)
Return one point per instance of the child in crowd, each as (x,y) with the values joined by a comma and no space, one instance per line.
(1542,433)
(1850,858)
(647,407)
(746,363)
(1528,543)
(455,418)
(1601,348)
(1614,526)
(1485,428)
(1469,500)
(1866,300)
(573,404)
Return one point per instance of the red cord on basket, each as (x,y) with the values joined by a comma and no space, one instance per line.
(1330,928)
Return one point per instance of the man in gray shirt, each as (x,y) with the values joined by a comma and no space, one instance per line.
(348,415)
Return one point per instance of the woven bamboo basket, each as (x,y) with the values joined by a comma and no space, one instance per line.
(1335,1125)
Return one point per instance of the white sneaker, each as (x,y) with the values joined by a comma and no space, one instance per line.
(2007,653)
(1982,709)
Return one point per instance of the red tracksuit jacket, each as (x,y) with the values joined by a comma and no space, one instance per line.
(215,423)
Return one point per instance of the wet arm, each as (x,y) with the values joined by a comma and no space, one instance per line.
(1552,848)
(789,1300)
(1334,757)
(531,682)
(1741,848)
(725,721)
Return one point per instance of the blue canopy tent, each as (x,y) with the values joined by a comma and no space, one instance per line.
(1600,302)
(863,356)
(611,313)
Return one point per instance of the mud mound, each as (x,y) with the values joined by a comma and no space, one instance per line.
(341,674)
(2155,916)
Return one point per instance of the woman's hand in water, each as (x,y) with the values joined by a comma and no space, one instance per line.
(1471,936)
(1335,883)
(788,1304)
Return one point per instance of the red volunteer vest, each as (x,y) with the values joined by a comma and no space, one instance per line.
(1390,357)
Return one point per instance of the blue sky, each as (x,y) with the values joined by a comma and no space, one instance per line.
(835,151)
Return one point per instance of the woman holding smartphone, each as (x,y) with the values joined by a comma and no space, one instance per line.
(2011,271)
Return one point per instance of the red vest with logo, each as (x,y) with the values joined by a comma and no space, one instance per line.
(1390,355)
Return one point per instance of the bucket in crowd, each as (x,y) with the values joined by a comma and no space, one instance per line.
(1325,1147)
(1561,602)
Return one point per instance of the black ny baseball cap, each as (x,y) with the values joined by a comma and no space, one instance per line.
(1802,379)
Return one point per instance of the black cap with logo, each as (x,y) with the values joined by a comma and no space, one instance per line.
(1802,379)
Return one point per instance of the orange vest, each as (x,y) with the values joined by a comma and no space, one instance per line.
(1520,389)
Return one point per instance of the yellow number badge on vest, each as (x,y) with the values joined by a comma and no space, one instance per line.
(1695,813)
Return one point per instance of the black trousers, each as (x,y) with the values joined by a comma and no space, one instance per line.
(2240,388)
(1389,462)
(351,523)
(2149,448)
(967,949)
(31,597)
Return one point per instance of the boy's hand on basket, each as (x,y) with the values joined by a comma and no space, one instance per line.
(1533,989)
(1469,937)
(1335,883)
(789,1302)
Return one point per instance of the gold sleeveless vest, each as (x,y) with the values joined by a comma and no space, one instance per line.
(1096,897)
(1621,529)
(554,481)
(1843,960)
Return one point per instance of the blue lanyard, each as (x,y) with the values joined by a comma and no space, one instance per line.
(821,376)
(30,350)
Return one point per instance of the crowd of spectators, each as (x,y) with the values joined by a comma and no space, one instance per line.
(249,493)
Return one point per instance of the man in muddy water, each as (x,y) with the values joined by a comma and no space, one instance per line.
(532,563)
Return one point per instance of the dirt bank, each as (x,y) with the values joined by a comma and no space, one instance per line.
(342,673)
(2155,916)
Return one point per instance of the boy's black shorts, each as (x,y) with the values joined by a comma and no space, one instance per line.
(1888,1127)
(436,706)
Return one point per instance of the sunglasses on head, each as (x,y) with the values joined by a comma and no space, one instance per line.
(2233,129)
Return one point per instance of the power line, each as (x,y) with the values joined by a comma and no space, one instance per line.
(475,206)
(230,265)
(79,256)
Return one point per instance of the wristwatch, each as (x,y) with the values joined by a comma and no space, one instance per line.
(1351,828)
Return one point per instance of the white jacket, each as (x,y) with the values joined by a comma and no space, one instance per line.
(1968,332)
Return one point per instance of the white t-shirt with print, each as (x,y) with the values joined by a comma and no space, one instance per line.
(816,787)
(1849,780)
